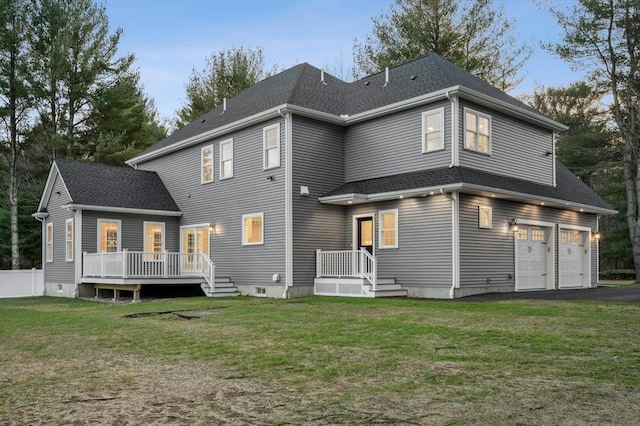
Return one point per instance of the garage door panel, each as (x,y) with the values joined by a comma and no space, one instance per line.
(531,249)
(573,253)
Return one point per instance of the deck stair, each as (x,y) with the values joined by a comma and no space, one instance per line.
(385,287)
(223,287)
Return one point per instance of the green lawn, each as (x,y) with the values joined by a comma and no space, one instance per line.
(318,361)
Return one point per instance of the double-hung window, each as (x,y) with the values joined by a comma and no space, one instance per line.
(477,131)
(271,146)
(226,159)
(49,242)
(253,229)
(108,236)
(69,239)
(388,228)
(206,164)
(433,130)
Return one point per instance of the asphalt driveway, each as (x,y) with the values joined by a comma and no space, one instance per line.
(601,294)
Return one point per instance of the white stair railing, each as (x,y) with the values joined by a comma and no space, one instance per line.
(347,264)
(208,271)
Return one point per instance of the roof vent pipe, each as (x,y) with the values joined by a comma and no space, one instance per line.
(224,105)
(386,76)
(322,77)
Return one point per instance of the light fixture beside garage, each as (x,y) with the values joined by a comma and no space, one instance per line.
(595,234)
(513,225)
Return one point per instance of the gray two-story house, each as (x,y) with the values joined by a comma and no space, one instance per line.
(422,180)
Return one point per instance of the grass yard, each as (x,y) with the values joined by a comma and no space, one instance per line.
(318,361)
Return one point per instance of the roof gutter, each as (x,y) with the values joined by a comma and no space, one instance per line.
(127,210)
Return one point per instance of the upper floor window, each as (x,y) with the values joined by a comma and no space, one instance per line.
(477,131)
(253,229)
(226,159)
(49,242)
(108,235)
(271,145)
(433,130)
(388,228)
(153,239)
(206,164)
(69,239)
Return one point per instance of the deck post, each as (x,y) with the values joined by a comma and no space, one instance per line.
(102,264)
(165,260)
(318,263)
(124,263)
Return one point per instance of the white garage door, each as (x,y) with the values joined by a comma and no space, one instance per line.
(531,258)
(573,258)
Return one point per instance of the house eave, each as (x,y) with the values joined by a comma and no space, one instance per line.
(357,198)
(127,210)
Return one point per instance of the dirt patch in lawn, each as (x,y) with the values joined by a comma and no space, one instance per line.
(127,390)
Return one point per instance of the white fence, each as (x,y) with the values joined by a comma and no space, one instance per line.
(21,283)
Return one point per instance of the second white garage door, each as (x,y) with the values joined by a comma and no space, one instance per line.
(573,259)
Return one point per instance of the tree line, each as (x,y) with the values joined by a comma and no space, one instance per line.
(64,92)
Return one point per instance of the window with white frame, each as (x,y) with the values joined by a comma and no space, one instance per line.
(108,236)
(433,130)
(477,131)
(153,240)
(49,243)
(206,164)
(485,217)
(252,229)
(226,159)
(388,225)
(69,240)
(271,145)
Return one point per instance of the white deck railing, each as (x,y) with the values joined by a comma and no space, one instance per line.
(136,264)
(347,264)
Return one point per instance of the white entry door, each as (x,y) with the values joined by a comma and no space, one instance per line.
(531,258)
(573,259)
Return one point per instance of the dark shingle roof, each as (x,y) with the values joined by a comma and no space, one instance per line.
(96,184)
(568,187)
(301,86)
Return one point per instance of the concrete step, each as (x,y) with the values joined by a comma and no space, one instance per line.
(389,293)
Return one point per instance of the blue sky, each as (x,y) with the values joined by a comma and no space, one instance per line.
(172,37)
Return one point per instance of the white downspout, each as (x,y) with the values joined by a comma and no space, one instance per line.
(288,202)
(455,243)
(455,161)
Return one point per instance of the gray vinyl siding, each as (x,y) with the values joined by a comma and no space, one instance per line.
(490,253)
(392,145)
(223,202)
(424,256)
(59,271)
(132,230)
(318,162)
(517,148)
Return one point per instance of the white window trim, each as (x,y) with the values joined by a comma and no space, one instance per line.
(223,143)
(479,114)
(246,216)
(202,150)
(99,234)
(381,244)
(264,146)
(485,209)
(48,231)
(162,230)
(195,228)
(424,130)
(68,253)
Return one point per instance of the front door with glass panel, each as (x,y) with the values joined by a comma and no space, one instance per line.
(365,233)
(194,242)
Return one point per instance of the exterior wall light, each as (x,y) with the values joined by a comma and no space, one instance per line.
(513,225)
(595,234)
(212,228)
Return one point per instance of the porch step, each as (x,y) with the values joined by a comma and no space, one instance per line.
(357,287)
(387,290)
(223,287)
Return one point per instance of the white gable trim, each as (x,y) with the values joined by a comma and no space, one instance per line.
(48,187)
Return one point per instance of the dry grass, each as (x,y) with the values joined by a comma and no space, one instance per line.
(319,361)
